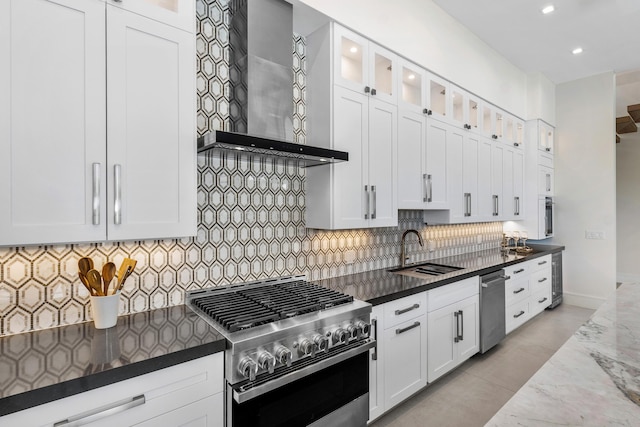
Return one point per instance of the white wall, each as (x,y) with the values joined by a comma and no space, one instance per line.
(541,100)
(424,33)
(585,185)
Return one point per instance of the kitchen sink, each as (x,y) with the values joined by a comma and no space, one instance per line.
(426,269)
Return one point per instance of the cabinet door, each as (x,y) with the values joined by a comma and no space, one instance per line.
(412,185)
(411,92)
(470,177)
(52,121)
(485,197)
(436,165)
(442,350)
(405,360)
(178,13)
(351,60)
(383,66)
(351,134)
(468,317)
(382,167)
(508,202)
(437,97)
(376,365)
(518,184)
(208,412)
(151,128)
(457,199)
(497,180)
(545,137)
(545,181)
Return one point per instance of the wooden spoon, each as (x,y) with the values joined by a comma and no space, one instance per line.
(85,282)
(95,281)
(108,271)
(84,265)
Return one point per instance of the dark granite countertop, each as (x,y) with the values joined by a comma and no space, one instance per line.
(42,366)
(381,286)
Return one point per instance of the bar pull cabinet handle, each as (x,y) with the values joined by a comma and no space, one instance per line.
(548,176)
(544,279)
(461,317)
(495,205)
(117,199)
(102,412)
(375,202)
(366,193)
(405,310)
(429,188)
(426,187)
(515,316)
(402,330)
(542,262)
(374,324)
(518,291)
(95,193)
(518,271)
(467,204)
(542,300)
(456,338)
(517,205)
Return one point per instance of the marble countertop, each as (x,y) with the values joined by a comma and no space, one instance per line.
(381,286)
(42,366)
(593,379)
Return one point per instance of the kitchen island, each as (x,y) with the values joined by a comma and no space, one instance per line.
(593,379)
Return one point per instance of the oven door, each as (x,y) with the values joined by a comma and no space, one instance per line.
(331,392)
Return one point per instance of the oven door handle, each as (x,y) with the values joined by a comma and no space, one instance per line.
(258,390)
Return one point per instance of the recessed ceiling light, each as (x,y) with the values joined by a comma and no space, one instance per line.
(412,76)
(548,9)
(577,51)
(353,49)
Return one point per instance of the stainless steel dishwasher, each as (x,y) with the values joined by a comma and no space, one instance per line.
(492,320)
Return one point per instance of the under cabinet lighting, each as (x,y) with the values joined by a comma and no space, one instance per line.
(548,9)
(577,51)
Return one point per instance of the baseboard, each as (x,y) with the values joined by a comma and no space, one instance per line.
(585,301)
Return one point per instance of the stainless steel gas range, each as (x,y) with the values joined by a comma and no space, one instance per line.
(297,353)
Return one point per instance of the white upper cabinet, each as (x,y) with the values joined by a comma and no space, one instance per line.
(545,137)
(63,180)
(363,66)
(466,110)
(52,121)
(356,116)
(177,13)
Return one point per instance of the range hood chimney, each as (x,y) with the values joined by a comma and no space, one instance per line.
(261,86)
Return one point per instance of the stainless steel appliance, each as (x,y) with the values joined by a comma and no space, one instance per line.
(546,217)
(492,309)
(297,353)
(556,279)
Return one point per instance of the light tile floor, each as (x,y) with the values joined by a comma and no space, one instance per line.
(471,394)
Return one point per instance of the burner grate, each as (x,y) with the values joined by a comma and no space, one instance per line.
(251,306)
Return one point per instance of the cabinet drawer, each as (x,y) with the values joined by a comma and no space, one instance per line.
(516,290)
(540,263)
(516,315)
(454,292)
(404,309)
(515,272)
(545,159)
(540,280)
(539,301)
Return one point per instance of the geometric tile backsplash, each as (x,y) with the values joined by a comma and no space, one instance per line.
(251,224)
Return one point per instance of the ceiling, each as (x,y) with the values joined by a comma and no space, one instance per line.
(605,29)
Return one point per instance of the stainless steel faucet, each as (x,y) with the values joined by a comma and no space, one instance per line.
(402,250)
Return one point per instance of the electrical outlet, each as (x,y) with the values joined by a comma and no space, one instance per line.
(594,235)
(349,256)
(431,245)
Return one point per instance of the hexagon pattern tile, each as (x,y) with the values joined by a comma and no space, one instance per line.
(251,223)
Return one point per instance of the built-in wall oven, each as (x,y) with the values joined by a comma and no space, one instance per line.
(297,354)
(546,216)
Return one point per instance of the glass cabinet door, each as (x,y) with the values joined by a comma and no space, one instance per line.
(457,106)
(382,72)
(487,120)
(411,88)
(519,126)
(350,60)
(498,125)
(438,90)
(474,113)
(509,134)
(177,13)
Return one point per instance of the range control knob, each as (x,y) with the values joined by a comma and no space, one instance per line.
(354,332)
(340,336)
(364,328)
(284,356)
(248,368)
(321,342)
(306,348)
(266,361)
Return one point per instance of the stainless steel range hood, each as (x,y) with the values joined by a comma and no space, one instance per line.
(261,86)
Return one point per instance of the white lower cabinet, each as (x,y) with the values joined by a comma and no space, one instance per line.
(190,394)
(376,373)
(527,291)
(453,326)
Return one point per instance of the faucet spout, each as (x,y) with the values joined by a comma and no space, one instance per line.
(403,257)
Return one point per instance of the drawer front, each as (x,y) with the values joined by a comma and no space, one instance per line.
(404,309)
(539,301)
(516,315)
(516,271)
(540,263)
(454,292)
(516,291)
(545,159)
(540,280)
